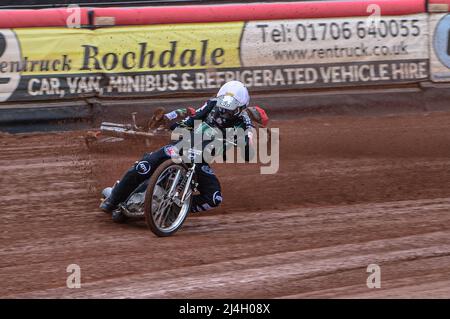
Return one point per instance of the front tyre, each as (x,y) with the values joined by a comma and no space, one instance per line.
(164,214)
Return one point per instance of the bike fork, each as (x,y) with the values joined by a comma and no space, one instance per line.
(188,183)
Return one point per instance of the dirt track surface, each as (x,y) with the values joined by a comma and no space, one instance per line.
(351,191)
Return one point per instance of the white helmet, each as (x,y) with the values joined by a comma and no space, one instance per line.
(231,100)
(237,90)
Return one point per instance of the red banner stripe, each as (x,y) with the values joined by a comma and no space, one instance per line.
(40,18)
(259,11)
(212,13)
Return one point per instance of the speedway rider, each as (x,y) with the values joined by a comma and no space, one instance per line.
(215,114)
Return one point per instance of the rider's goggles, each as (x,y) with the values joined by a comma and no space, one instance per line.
(228,106)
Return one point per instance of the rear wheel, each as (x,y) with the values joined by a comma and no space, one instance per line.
(164,213)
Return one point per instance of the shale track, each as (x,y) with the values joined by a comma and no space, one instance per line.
(350,191)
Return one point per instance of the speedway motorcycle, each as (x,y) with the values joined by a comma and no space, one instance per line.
(164,200)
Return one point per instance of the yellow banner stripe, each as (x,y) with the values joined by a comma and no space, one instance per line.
(130,49)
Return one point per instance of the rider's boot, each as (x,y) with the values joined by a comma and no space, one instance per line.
(107,206)
(118,216)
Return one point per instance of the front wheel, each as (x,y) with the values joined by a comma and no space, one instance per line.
(164,212)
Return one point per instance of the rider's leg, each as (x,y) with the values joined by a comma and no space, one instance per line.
(139,172)
(209,188)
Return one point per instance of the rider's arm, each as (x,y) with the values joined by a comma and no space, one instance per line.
(248,127)
(180,113)
(200,114)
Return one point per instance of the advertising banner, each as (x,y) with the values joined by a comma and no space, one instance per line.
(336,52)
(440,47)
(57,63)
